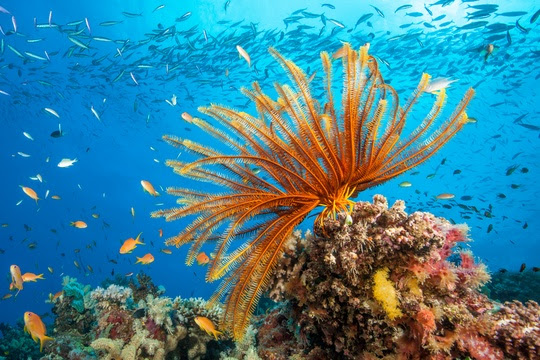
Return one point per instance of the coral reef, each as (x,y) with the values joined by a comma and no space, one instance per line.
(129,323)
(142,285)
(72,314)
(15,344)
(389,285)
(512,285)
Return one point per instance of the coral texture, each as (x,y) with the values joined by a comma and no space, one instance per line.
(389,285)
(113,326)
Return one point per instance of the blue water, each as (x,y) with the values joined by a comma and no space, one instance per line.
(125,147)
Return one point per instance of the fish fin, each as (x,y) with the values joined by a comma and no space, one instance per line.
(216,334)
(43,339)
(25,329)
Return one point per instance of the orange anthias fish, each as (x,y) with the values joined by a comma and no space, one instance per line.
(207,325)
(16,278)
(36,328)
(79,224)
(146,259)
(160,232)
(203,259)
(52,298)
(32,277)
(30,192)
(149,188)
(130,244)
(166,251)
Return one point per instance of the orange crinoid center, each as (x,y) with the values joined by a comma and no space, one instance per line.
(294,154)
(336,203)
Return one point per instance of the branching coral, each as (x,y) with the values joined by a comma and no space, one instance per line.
(296,155)
(380,287)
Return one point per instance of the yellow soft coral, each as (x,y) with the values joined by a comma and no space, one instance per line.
(385,294)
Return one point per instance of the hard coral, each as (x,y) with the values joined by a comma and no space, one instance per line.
(432,306)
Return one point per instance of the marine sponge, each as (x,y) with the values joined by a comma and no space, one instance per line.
(385,293)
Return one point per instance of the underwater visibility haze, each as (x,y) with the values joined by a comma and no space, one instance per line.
(277,135)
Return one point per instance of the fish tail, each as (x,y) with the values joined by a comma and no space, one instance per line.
(42,340)
(40,276)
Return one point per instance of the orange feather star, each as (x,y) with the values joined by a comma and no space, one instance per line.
(290,159)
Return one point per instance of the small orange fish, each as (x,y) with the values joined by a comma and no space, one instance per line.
(445,196)
(95,216)
(166,251)
(130,244)
(207,325)
(160,232)
(30,192)
(203,259)
(55,197)
(7,296)
(32,277)
(149,188)
(36,328)
(52,297)
(16,278)
(187,117)
(145,260)
(79,224)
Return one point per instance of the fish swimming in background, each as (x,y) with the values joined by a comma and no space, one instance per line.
(52,112)
(187,117)
(130,244)
(64,163)
(52,298)
(26,277)
(438,84)
(30,192)
(445,196)
(79,224)
(208,326)
(57,133)
(202,259)
(489,51)
(243,53)
(35,327)
(16,278)
(149,188)
(145,260)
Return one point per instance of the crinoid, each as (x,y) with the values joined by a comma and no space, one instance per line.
(291,158)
